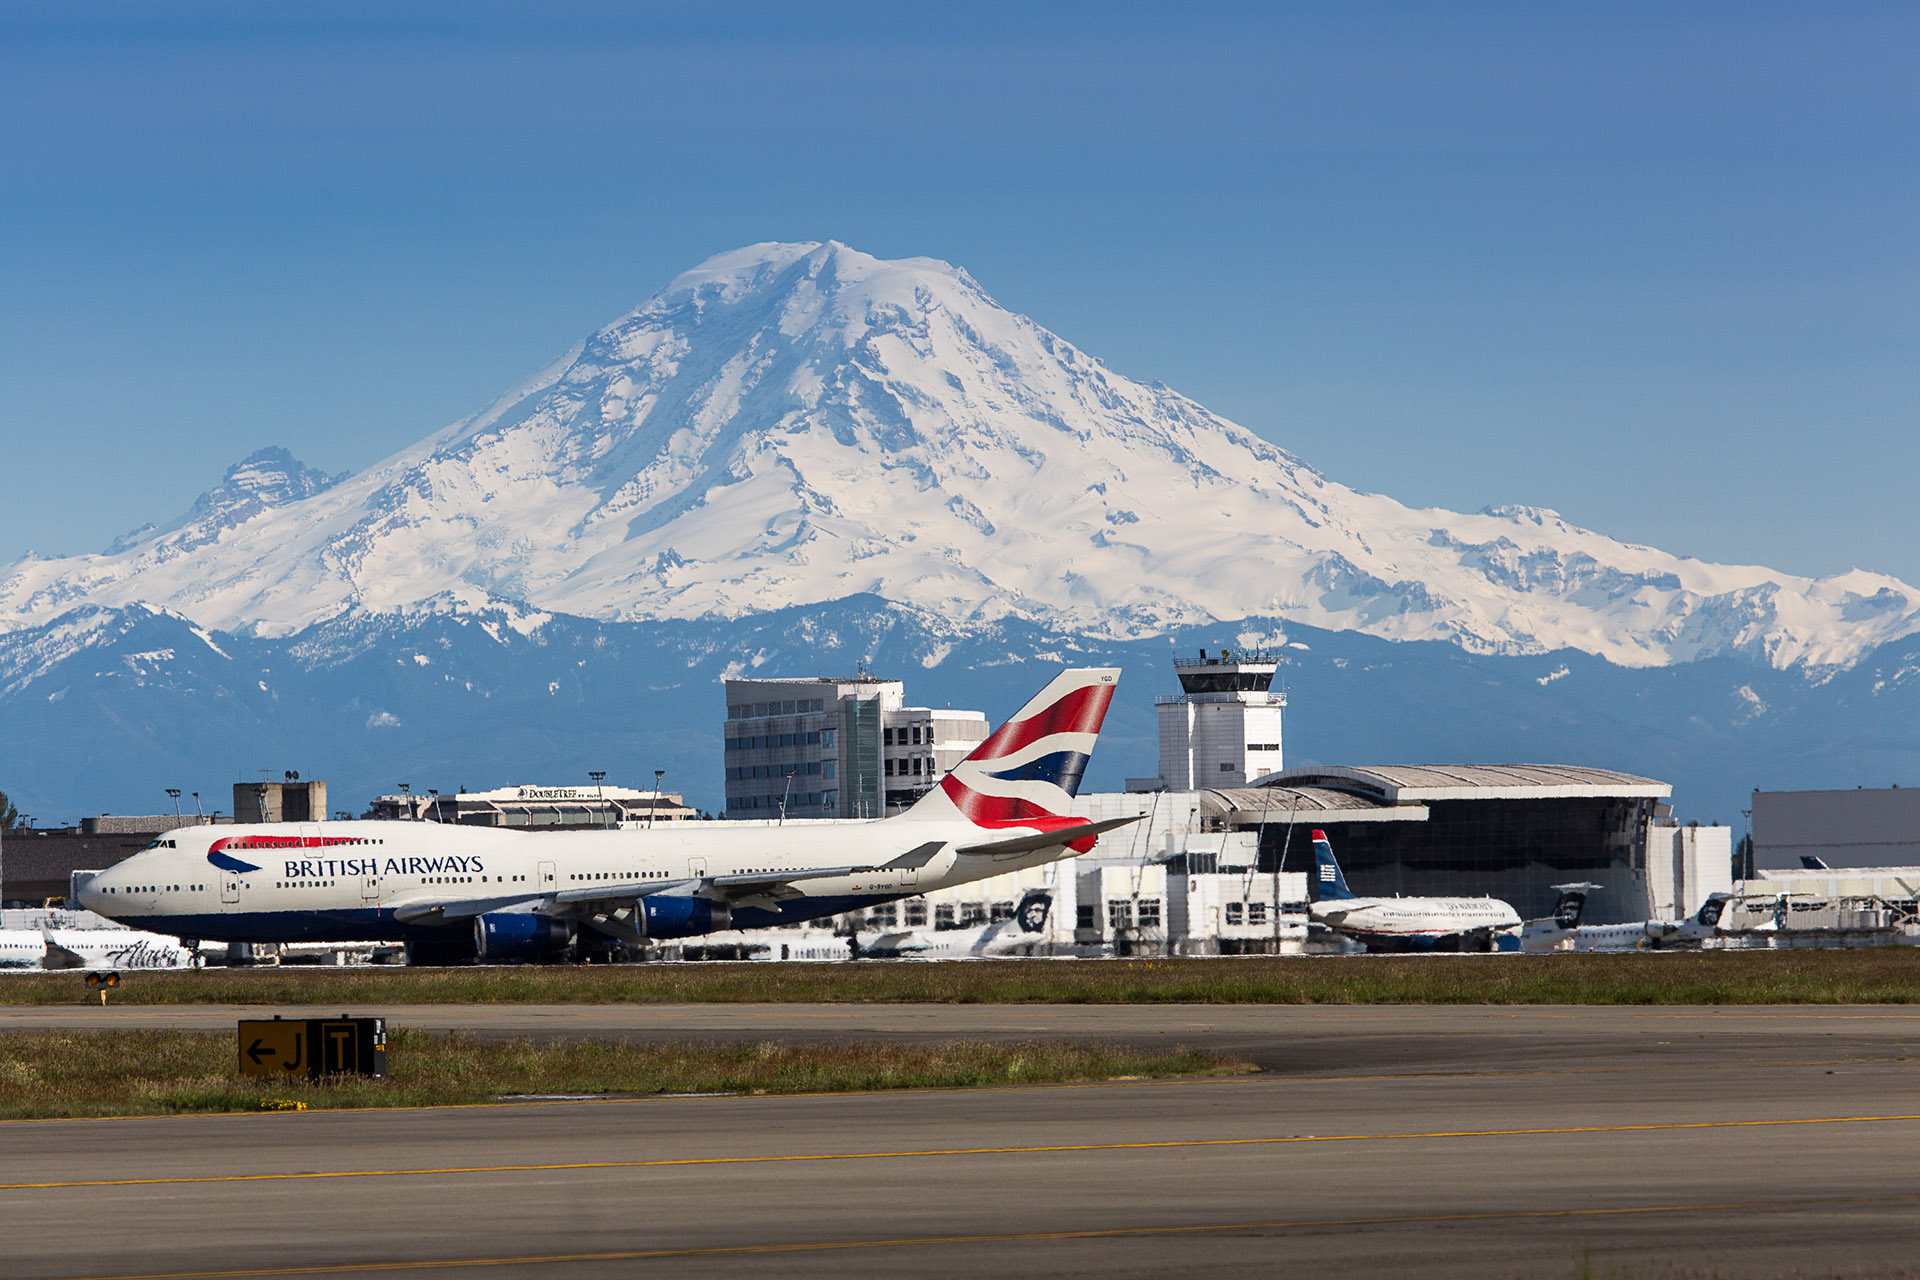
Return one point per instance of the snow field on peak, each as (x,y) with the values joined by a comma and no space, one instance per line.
(794,424)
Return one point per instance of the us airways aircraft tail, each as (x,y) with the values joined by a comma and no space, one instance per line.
(1328,878)
(456,893)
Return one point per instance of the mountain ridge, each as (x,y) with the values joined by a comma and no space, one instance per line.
(790,424)
(106,707)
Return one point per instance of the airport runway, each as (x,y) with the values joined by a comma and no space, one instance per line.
(1512,1142)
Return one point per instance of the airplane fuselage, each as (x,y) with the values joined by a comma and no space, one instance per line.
(96,948)
(1639,935)
(1422,924)
(350,881)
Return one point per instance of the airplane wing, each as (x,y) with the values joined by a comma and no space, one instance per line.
(437,912)
(746,884)
(1045,840)
(59,957)
(771,883)
(461,909)
(894,944)
(609,906)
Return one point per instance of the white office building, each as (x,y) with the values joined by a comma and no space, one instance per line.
(827,748)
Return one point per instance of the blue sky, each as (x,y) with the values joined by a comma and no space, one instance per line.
(1655,266)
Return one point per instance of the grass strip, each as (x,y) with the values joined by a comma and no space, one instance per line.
(1888,975)
(101,1073)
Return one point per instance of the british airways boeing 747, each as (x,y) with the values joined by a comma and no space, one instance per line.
(455,893)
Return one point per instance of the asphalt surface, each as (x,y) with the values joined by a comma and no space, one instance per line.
(1382,1141)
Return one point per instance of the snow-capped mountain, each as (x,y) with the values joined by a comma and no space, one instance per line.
(264,479)
(789,425)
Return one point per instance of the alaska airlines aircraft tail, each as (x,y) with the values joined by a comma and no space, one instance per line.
(1027,772)
(1572,903)
(1329,883)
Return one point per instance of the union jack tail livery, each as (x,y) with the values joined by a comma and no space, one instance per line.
(1028,771)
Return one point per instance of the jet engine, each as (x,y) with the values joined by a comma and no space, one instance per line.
(664,916)
(520,935)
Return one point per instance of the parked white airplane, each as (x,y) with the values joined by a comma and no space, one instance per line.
(1564,926)
(101,949)
(1017,935)
(453,893)
(1407,924)
(1014,936)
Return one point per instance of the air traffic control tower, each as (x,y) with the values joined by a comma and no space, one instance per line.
(1223,728)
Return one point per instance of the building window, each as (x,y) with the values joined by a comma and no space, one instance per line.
(883,916)
(943,916)
(1149,913)
(1235,915)
(1083,916)
(886,737)
(972,914)
(1226,766)
(1119,914)
(914,913)
(1001,911)
(1256,913)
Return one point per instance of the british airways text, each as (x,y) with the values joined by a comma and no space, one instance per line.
(328,868)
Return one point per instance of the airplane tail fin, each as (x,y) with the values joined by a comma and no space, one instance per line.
(1709,913)
(1813,862)
(1028,770)
(1328,882)
(57,956)
(1031,915)
(1571,904)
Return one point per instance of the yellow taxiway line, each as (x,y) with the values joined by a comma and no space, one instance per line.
(1007,1237)
(947,1153)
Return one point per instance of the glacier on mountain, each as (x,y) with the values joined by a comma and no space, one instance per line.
(793,424)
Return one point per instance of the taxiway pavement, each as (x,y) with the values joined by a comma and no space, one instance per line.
(1382,1141)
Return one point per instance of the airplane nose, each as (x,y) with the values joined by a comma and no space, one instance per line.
(83,891)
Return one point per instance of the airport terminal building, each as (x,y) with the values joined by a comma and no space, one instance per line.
(1510,831)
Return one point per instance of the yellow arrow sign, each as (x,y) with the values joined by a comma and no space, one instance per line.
(273,1047)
